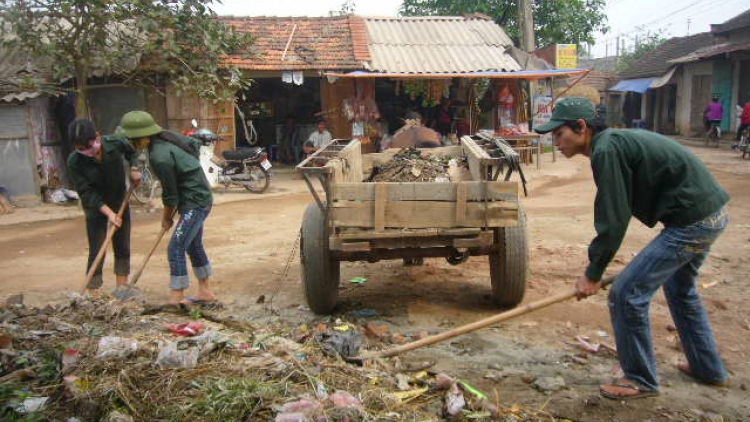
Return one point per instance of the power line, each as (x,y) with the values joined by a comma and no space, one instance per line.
(670,15)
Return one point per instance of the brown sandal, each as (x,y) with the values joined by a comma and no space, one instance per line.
(640,392)
(684,367)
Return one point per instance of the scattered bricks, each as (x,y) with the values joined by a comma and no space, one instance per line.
(398,339)
(375,331)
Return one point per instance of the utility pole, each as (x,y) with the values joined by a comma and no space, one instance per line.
(617,50)
(688,28)
(526,25)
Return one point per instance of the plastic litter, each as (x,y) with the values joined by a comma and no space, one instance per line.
(454,401)
(188,329)
(31,405)
(170,357)
(116,347)
(344,343)
(70,358)
(358,280)
(342,400)
(364,313)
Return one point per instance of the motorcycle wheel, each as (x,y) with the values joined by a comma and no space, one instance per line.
(261,179)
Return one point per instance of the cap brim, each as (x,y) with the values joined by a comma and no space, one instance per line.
(549,126)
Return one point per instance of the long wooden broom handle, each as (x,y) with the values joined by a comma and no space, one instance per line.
(138,273)
(504,316)
(111,229)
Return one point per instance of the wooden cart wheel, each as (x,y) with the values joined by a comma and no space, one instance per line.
(508,265)
(320,273)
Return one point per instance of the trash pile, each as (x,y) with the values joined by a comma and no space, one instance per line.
(95,359)
(411,165)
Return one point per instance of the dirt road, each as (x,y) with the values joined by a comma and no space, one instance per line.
(249,243)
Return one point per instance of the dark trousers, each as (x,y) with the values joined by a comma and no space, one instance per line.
(740,130)
(96,231)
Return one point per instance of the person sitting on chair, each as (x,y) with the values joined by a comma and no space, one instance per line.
(317,139)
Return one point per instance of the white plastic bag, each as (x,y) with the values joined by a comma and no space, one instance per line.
(116,347)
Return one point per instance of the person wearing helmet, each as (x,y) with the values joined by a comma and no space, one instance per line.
(174,159)
(96,170)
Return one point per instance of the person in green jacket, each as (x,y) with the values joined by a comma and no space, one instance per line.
(653,178)
(185,189)
(98,175)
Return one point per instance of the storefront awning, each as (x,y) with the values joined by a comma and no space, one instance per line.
(634,85)
(521,74)
(663,79)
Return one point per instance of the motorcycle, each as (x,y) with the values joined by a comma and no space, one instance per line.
(245,167)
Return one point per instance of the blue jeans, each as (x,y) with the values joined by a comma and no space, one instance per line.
(188,238)
(671,260)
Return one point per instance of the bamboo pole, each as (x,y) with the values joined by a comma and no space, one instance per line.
(483,323)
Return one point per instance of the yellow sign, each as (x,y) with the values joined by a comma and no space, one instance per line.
(567,56)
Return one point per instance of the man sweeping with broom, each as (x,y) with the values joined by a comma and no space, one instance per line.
(96,170)
(654,179)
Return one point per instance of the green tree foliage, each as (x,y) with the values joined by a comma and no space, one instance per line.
(143,41)
(645,42)
(558,21)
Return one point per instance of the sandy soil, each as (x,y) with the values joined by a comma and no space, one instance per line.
(250,241)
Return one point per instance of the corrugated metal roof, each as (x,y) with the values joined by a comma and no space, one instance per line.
(437,45)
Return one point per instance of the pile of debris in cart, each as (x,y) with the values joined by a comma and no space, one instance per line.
(413,165)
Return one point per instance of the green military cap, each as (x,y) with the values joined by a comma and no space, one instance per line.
(139,124)
(567,109)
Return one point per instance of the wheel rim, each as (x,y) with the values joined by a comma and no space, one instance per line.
(258,177)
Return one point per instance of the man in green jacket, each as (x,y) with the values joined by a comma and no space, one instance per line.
(96,170)
(656,180)
(185,189)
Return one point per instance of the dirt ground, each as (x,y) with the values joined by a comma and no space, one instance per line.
(250,241)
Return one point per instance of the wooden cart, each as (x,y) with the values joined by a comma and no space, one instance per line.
(355,220)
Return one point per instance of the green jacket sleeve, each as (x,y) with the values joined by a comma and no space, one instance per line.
(612,209)
(90,197)
(165,171)
(129,153)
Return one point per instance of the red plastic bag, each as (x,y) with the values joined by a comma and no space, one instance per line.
(188,329)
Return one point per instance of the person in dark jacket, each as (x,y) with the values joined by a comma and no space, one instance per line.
(98,175)
(185,189)
(650,177)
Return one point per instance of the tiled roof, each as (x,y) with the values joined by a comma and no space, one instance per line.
(437,45)
(656,62)
(711,51)
(740,21)
(317,43)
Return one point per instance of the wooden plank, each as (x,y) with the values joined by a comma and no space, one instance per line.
(474,156)
(484,238)
(380,205)
(461,190)
(424,214)
(354,246)
(356,233)
(496,191)
(351,159)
